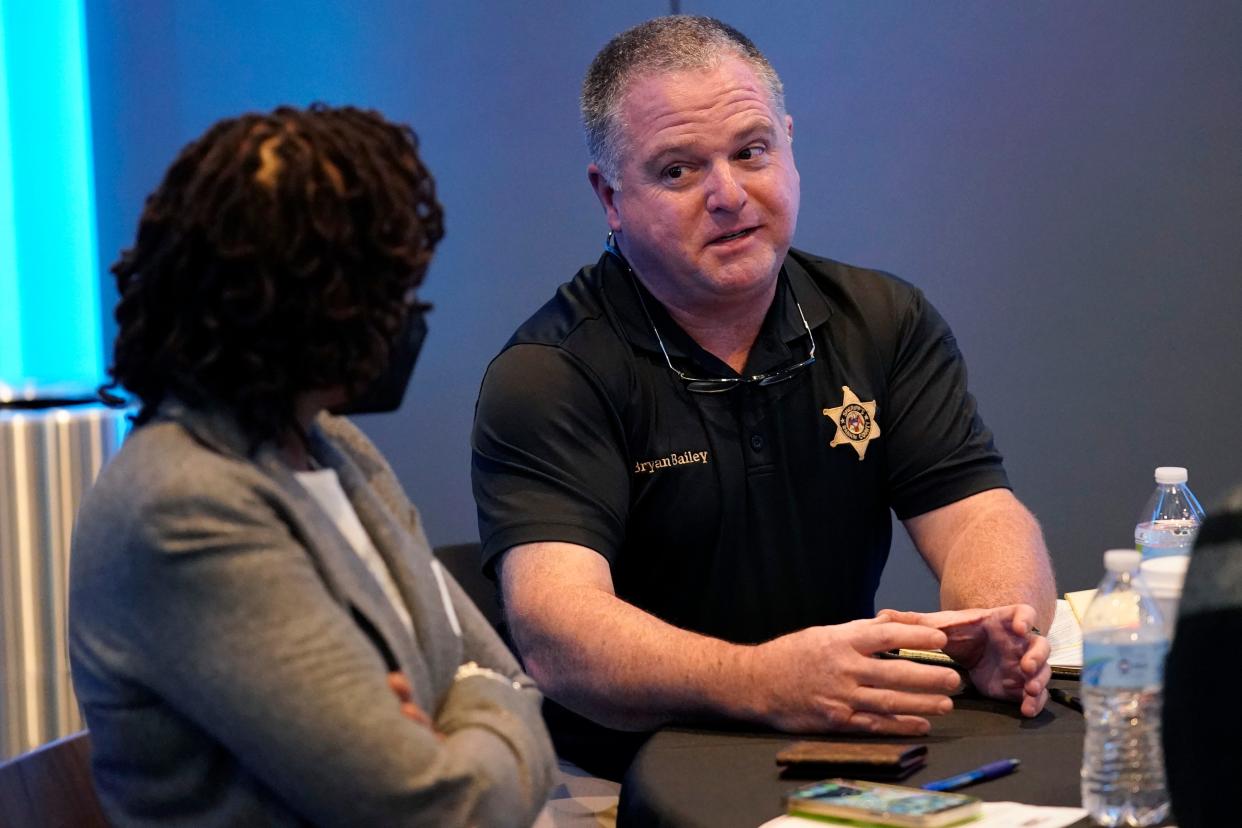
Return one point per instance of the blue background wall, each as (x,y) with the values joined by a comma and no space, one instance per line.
(1064,179)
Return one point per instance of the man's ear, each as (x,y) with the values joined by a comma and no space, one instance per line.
(607,195)
(789,127)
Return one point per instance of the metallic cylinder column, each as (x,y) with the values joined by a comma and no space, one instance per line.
(48,457)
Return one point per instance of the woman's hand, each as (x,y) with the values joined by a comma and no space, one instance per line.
(400,686)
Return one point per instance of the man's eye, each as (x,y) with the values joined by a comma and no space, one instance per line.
(751,152)
(674,171)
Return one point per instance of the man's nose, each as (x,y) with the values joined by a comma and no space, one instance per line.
(724,191)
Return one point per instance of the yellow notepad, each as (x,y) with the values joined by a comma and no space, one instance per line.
(1078,602)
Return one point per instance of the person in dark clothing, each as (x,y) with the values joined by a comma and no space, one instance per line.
(685,463)
(1202,675)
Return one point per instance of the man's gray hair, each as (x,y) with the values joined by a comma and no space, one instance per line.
(663,45)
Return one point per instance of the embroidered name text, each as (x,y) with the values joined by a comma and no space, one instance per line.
(675,459)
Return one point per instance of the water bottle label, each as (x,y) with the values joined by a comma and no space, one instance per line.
(1126,666)
(1158,538)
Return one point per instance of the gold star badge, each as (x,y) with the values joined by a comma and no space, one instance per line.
(855,421)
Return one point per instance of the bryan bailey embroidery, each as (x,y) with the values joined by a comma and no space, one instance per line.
(855,422)
(677,458)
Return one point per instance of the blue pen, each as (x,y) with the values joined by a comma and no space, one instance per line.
(992,770)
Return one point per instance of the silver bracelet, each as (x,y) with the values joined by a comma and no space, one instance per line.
(471,668)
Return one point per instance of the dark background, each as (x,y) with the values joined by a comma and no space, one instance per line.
(1063,179)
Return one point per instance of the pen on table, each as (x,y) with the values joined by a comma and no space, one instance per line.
(992,770)
(1059,695)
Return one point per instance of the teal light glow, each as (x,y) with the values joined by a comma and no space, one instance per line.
(49,295)
(10,316)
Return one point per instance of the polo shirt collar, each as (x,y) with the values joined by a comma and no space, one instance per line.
(782,326)
(814,304)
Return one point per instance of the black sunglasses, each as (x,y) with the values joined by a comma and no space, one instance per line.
(716,385)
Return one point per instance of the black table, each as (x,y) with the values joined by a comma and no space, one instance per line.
(686,778)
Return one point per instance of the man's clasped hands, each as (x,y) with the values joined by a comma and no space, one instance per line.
(829,678)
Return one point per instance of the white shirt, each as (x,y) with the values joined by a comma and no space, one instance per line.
(325,487)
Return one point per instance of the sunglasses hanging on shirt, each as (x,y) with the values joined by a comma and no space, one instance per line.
(714,385)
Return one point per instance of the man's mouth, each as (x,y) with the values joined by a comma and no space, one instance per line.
(737,234)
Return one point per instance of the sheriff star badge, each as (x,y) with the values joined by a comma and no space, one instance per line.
(855,422)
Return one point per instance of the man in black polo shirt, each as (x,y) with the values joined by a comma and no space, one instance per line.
(684,463)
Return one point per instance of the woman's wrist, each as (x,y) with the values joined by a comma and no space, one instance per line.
(471,668)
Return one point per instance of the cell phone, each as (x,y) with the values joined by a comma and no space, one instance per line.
(877,804)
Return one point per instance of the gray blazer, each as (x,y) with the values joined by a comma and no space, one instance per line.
(230,651)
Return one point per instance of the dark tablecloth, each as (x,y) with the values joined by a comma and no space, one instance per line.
(687,778)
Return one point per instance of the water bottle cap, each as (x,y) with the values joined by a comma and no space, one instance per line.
(1171,475)
(1122,560)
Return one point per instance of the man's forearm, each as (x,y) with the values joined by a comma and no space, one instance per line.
(988,551)
(627,669)
(1000,558)
(609,660)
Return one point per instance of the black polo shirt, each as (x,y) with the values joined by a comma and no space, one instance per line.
(729,514)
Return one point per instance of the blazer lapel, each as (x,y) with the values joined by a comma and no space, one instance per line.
(409,562)
(346,574)
(216,429)
(343,572)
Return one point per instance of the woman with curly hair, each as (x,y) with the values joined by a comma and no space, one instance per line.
(258,631)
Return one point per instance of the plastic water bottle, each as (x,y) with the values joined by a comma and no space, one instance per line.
(1170,520)
(1124,646)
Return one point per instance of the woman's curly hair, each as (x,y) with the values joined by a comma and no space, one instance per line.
(279,255)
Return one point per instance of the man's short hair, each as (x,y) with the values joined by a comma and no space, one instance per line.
(663,45)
